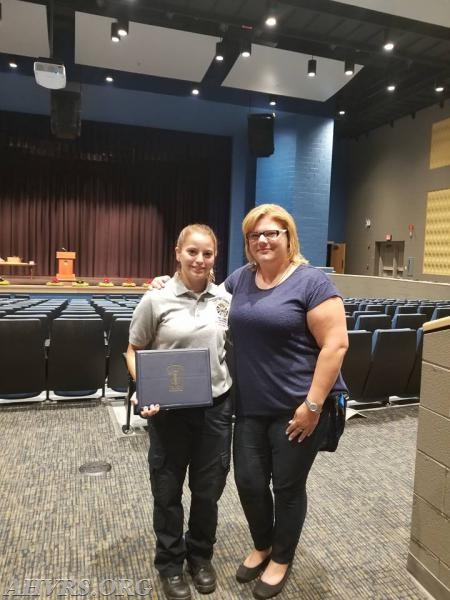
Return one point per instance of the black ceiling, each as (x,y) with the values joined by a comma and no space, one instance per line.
(322,28)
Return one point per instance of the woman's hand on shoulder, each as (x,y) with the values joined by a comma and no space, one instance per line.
(302,424)
(159,282)
(147,411)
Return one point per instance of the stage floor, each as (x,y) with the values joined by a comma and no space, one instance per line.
(65,290)
(37,285)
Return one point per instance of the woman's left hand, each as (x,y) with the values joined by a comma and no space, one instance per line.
(302,424)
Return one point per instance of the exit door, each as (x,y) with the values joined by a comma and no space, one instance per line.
(389,259)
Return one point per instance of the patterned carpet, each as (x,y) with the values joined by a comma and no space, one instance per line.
(57,523)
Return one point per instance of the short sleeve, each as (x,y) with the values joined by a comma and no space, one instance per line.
(320,288)
(231,281)
(144,322)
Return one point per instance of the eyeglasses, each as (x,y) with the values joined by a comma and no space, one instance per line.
(269,234)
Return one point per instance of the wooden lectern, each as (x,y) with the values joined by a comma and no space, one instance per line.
(65,265)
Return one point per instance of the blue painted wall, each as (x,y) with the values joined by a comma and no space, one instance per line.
(297,175)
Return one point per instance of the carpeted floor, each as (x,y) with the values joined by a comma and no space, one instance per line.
(56,523)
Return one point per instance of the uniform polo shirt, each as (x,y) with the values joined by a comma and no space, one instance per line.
(175,317)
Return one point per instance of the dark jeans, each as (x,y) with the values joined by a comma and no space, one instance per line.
(262,452)
(198,438)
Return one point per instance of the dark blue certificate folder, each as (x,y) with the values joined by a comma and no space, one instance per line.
(173,378)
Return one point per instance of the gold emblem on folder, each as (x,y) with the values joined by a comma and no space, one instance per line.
(176,378)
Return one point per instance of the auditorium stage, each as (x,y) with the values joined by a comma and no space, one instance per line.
(37,285)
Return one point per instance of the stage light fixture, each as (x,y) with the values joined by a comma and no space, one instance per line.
(391,87)
(109,79)
(246,48)
(195,91)
(122,28)
(349,67)
(438,87)
(12,64)
(312,67)
(341,112)
(271,17)
(220,51)
(272,101)
(388,42)
(115,37)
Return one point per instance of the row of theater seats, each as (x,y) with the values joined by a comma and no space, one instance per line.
(68,347)
(383,363)
(389,314)
(72,346)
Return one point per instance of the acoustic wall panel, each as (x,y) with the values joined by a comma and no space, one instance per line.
(436,254)
(440,144)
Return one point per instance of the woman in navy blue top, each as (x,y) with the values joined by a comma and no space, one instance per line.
(289,334)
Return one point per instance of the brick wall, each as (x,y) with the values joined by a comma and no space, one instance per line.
(297,176)
(429,551)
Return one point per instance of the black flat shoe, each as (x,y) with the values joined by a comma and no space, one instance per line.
(246,574)
(263,590)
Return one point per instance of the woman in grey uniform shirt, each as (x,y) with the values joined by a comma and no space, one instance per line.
(189,312)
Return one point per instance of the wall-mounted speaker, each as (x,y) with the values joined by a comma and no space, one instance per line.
(65,117)
(260,134)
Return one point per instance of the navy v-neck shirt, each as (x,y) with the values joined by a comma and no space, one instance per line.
(274,352)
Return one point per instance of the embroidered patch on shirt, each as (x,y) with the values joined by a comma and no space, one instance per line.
(222,306)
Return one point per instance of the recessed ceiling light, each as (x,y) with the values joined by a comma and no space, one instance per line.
(388,42)
(391,87)
(122,28)
(109,79)
(195,91)
(341,113)
(312,67)
(271,21)
(13,64)
(115,37)
(349,67)
(439,88)
(272,101)
(220,51)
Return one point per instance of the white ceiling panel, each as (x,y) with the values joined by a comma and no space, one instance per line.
(147,49)
(23,29)
(281,72)
(436,12)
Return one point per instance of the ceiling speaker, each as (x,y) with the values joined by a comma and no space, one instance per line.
(260,134)
(65,118)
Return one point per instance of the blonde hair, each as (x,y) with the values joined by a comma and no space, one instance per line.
(286,221)
(197,228)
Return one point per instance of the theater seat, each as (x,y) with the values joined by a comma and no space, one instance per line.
(409,320)
(372,322)
(357,362)
(406,308)
(117,345)
(440,312)
(22,358)
(375,308)
(350,321)
(393,356)
(76,356)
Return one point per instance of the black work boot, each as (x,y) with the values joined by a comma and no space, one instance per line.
(203,576)
(176,587)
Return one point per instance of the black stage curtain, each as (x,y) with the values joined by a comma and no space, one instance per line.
(117,196)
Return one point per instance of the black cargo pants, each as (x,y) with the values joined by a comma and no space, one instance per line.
(197,439)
